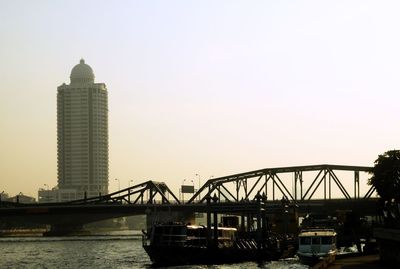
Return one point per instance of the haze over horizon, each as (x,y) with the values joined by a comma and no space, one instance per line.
(202,87)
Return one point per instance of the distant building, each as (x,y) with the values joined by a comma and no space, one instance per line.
(3,196)
(82,136)
(57,195)
(21,198)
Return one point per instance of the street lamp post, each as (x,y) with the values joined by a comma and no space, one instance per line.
(119,184)
(198,176)
(129,190)
(183,195)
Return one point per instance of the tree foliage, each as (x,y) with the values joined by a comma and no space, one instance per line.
(386,175)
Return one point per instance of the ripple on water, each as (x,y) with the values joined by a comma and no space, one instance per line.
(97,252)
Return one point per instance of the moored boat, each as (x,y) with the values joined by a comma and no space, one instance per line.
(316,244)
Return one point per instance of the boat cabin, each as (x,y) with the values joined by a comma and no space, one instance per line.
(317,243)
(177,234)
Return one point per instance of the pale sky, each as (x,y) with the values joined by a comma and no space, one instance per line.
(207,87)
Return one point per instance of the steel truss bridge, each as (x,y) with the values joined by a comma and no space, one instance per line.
(309,188)
(245,187)
(271,178)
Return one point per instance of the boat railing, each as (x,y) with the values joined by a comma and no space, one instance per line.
(170,239)
(304,230)
(164,239)
(196,241)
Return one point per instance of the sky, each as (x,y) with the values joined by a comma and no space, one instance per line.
(202,87)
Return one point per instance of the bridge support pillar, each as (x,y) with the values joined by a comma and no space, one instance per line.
(215,199)
(242,224)
(249,223)
(208,199)
(215,229)
(259,237)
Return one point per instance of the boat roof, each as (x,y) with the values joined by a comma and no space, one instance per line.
(203,227)
(317,232)
(189,226)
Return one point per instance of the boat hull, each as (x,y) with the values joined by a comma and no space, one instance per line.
(178,255)
(178,244)
(313,259)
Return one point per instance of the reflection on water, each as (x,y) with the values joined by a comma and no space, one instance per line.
(107,250)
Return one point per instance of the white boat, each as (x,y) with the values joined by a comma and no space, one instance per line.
(316,244)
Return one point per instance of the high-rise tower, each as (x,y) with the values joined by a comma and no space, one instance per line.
(82,134)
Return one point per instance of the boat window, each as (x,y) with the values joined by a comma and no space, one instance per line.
(326,240)
(203,232)
(305,240)
(198,232)
(158,230)
(178,230)
(316,240)
(192,232)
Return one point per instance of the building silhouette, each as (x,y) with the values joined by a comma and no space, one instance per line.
(82,135)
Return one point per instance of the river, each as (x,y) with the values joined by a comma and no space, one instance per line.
(111,250)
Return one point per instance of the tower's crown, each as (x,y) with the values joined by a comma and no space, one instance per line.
(82,73)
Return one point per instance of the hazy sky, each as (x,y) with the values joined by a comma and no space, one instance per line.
(207,87)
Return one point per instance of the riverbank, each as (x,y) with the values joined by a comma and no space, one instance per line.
(93,232)
(22,232)
(358,262)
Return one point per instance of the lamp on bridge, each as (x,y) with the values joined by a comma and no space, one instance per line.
(129,190)
(198,176)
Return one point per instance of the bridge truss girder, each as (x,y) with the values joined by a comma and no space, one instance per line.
(271,178)
(144,193)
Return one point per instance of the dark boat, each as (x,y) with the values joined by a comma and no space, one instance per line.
(177,244)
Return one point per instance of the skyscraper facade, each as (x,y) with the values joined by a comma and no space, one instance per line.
(82,134)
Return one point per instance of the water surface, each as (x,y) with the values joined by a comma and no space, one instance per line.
(112,250)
